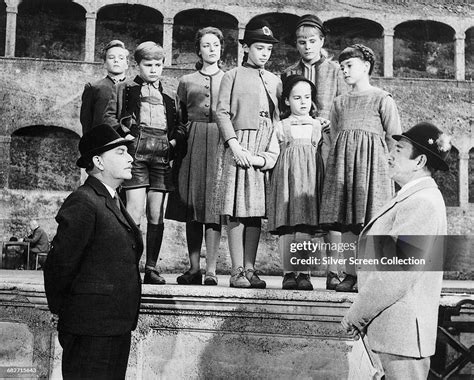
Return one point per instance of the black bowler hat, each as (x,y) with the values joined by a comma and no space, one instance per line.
(311,20)
(431,141)
(98,140)
(258,31)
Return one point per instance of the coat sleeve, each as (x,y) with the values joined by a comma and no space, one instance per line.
(223,112)
(76,220)
(86,113)
(34,237)
(111,113)
(383,288)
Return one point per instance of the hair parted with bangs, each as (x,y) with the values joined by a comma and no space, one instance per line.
(359,51)
(149,50)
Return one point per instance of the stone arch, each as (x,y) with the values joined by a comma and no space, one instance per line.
(471,176)
(427,49)
(133,24)
(185,26)
(346,31)
(53,29)
(448,182)
(3,26)
(44,158)
(469,53)
(283,27)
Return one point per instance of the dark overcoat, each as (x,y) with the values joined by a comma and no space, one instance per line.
(91,275)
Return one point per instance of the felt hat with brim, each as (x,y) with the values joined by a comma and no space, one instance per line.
(430,141)
(98,140)
(258,31)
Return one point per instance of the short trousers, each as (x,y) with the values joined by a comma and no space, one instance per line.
(151,166)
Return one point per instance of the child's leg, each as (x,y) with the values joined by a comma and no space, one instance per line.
(333,237)
(289,276)
(154,235)
(213,238)
(235,236)
(136,203)
(252,231)
(349,237)
(194,234)
(303,280)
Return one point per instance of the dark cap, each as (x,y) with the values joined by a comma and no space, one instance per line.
(290,82)
(311,20)
(98,140)
(258,31)
(431,141)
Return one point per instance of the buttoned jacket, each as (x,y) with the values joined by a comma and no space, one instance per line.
(91,274)
(95,99)
(238,105)
(399,309)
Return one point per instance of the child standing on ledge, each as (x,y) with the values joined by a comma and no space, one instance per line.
(357,182)
(295,192)
(246,111)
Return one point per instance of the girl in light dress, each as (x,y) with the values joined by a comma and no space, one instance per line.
(296,184)
(246,112)
(357,182)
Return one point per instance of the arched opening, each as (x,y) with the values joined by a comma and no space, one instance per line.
(283,27)
(469,53)
(448,182)
(471,176)
(424,49)
(3,26)
(53,29)
(44,158)
(346,31)
(132,24)
(188,22)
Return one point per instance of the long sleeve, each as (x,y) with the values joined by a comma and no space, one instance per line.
(390,119)
(76,221)
(111,116)
(271,154)
(223,112)
(86,113)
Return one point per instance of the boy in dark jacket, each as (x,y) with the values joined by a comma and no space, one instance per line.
(141,111)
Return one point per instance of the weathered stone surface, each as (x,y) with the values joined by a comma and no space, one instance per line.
(17,344)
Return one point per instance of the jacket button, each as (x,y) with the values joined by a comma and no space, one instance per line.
(206,114)
(207,95)
(134,246)
(207,78)
(206,105)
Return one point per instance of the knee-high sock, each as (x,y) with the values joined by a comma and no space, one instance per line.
(154,237)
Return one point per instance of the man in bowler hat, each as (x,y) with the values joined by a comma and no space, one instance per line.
(91,274)
(398,310)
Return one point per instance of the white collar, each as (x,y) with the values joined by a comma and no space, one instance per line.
(110,189)
(412,183)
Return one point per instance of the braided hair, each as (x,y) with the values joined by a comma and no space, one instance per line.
(359,51)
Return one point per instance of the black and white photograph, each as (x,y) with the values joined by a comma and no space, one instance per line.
(237,189)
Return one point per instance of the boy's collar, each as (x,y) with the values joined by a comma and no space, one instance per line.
(139,80)
(317,63)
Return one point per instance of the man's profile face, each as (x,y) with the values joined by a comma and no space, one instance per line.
(401,167)
(116,163)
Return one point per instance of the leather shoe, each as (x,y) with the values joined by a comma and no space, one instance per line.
(210,279)
(238,279)
(153,277)
(289,281)
(303,281)
(349,284)
(188,278)
(255,281)
(332,280)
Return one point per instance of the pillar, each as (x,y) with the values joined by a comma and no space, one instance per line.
(459,55)
(4,160)
(168,40)
(240,50)
(463,179)
(388,52)
(10,33)
(91,18)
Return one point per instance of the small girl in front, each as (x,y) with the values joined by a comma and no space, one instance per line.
(246,111)
(357,181)
(295,192)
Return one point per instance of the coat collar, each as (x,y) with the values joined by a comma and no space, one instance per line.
(101,190)
(426,183)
